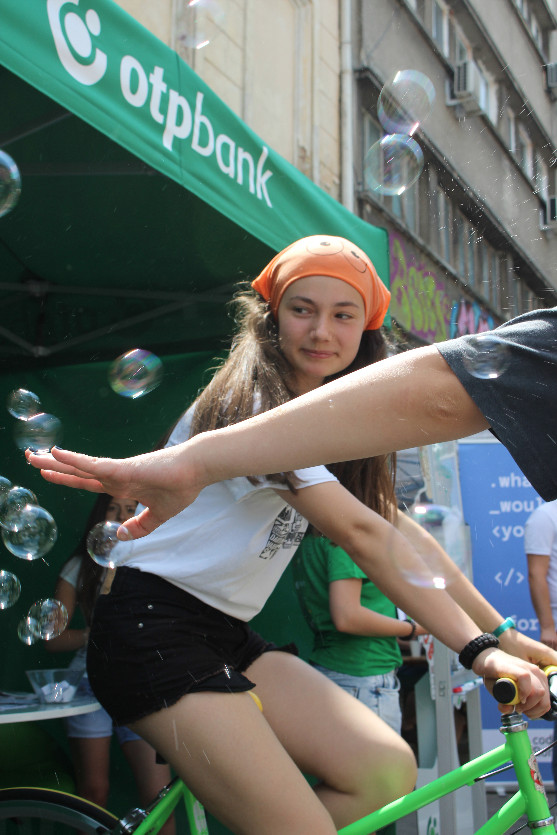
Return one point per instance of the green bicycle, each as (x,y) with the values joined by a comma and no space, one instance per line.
(25,811)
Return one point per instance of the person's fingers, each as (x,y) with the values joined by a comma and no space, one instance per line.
(78,482)
(138,526)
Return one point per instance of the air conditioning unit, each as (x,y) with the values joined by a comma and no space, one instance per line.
(468,82)
(551,77)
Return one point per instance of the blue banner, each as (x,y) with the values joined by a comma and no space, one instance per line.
(497,499)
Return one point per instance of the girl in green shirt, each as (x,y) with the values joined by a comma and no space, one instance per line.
(355,626)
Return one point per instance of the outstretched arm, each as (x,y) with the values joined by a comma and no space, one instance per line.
(407,400)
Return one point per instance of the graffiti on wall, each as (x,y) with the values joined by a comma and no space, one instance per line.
(420,302)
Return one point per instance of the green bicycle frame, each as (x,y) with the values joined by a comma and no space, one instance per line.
(530,797)
(160,810)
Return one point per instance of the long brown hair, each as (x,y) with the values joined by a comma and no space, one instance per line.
(91,574)
(255,378)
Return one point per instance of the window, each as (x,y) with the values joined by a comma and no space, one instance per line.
(417,7)
(524,152)
(472,245)
(484,264)
(507,127)
(522,6)
(371,133)
(495,273)
(536,31)
(540,177)
(483,91)
(444,218)
(440,26)
(460,245)
(461,50)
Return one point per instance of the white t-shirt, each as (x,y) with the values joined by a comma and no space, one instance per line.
(230,547)
(540,537)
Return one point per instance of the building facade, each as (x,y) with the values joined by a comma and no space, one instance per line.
(275,64)
(473,241)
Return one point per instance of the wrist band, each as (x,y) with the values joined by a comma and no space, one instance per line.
(474,647)
(412,633)
(508,623)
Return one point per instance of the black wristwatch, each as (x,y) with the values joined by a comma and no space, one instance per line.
(473,648)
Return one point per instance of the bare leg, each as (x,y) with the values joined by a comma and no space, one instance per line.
(150,776)
(361,762)
(91,759)
(225,751)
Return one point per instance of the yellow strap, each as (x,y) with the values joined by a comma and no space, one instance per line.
(256,699)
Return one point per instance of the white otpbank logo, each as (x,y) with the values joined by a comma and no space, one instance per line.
(73,37)
(146,89)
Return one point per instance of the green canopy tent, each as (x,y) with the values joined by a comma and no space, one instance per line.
(144,199)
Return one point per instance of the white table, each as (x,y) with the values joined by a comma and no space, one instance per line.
(34,711)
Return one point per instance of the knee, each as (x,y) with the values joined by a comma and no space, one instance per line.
(94,788)
(393,773)
(400,770)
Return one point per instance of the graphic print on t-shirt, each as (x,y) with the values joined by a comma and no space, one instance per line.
(287,532)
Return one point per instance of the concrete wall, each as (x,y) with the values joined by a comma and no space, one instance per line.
(275,64)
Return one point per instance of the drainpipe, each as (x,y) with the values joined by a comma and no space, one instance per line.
(346,107)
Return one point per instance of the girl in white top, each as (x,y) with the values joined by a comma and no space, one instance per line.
(318,301)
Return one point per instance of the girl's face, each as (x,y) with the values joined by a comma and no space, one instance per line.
(120,509)
(321,321)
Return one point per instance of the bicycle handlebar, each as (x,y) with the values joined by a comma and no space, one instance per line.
(505,690)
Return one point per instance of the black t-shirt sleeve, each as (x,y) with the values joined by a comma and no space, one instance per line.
(521,403)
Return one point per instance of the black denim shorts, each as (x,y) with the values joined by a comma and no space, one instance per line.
(151,643)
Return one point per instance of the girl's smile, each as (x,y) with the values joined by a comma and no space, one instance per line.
(321,321)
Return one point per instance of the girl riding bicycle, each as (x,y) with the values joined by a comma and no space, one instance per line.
(171,653)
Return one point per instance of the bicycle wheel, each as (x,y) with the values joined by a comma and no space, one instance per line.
(28,811)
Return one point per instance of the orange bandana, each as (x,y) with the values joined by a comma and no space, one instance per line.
(330,256)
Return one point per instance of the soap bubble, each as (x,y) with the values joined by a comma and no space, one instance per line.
(430,570)
(33,535)
(28,631)
(486,356)
(5,487)
(10,183)
(12,504)
(100,541)
(49,618)
(405,102)
(203,21)
(38,433)
(393,164)
(22,404)
(135,373)
(10,589)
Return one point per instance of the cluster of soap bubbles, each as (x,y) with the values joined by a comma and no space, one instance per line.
(28,530)
(35,430)
(203,21)
(135,373)
(45,620)
(10,183)
(395,162)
